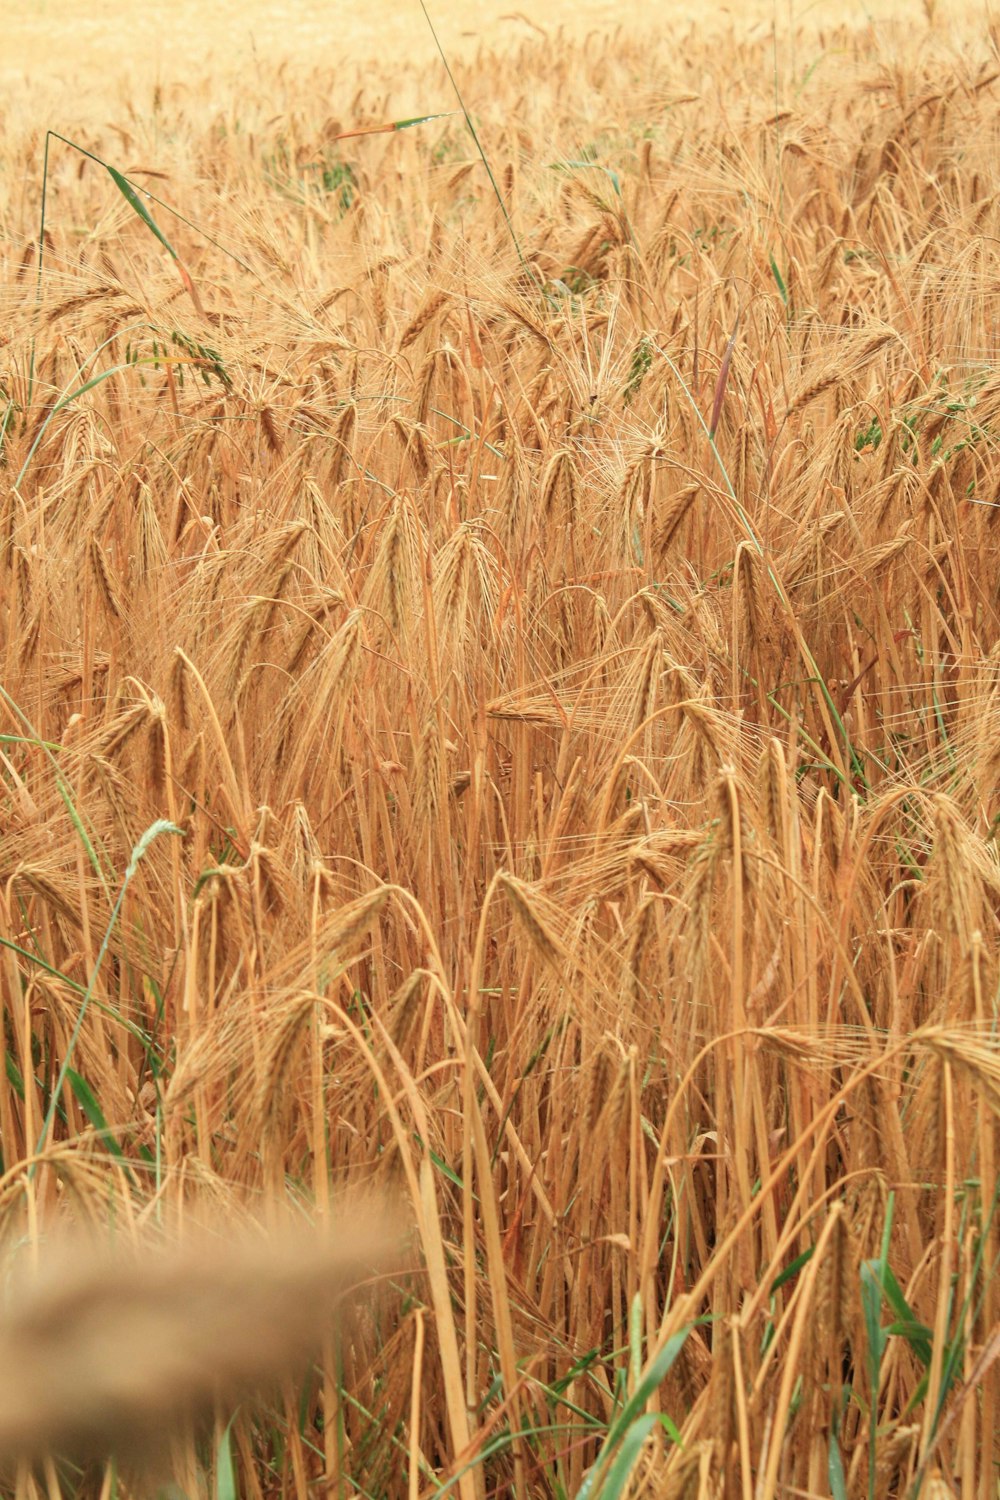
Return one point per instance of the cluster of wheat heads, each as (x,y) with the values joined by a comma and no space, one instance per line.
(573,670)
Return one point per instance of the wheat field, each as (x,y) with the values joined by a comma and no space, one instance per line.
(501,715)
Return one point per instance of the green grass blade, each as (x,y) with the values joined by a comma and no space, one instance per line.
(793,1268)
(391,126)
(653,1377)
(916,1334)
(625,1459)
(871,1305)
(134,202)
(905,1322)
(635,1321)
(633,1409)
(421,120)
(472,131)
(225,1469)
(87,1101)
(64,401)
(36,958)
(152,833)
(835,1468)
(41,260)
(133,1030)
(62,785)
(15,1077)
(131,194)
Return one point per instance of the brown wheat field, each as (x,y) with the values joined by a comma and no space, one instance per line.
(501,716)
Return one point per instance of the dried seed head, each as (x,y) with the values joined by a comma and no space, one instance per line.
(647,684)
(343,441)
(955,893)
(121,729)
(612,1124)
(598,1082)
(424,315)
(835,1290)
(747,580)
(287,1034)
(427,778)
(558,498)
(405,1007)
(156,741)
(773,790)
(815,388)
(644,924)
(341,931)
(269,427)
(416,447)
(669,517)
(107,590)
(525,908)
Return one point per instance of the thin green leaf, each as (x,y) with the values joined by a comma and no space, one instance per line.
(442,1165)
(14,1077)
(132,198)
(65,791)
(670,1428)
(890,1208)
(423,119)
(479,147)
(654,1377)
(632,1409)
(625,1460)
(835,1469)
(391,125)
(917,1335)
(154,830)
(64,401)
(225,1469)
(793,1269)
(635,1320)
(27,739)
(637,552)
(779,281)
(105,1009)
(36,958)
(445,1170)
(871,1304)
(88,1103)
